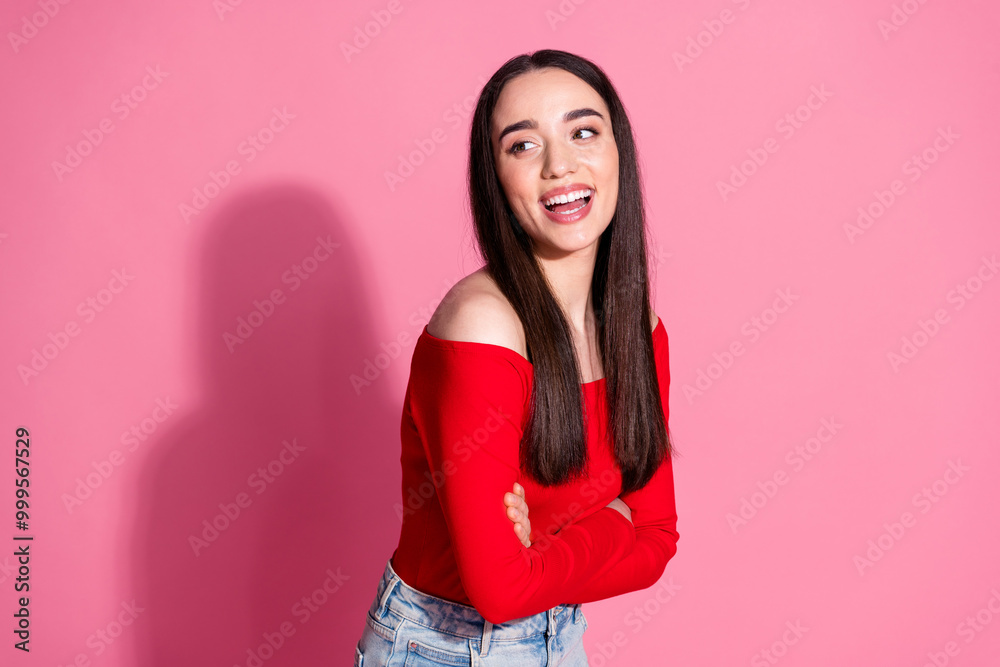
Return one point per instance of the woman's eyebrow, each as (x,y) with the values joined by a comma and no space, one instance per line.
(532,125)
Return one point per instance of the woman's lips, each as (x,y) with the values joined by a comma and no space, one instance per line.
(574,215)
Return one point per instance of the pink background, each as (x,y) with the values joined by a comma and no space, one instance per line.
(887,95)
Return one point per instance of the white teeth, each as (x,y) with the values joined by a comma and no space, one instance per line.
(567,198)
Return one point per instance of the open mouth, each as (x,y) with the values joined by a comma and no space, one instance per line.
(569,207)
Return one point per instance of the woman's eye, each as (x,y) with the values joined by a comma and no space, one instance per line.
(586,129)
(513,148)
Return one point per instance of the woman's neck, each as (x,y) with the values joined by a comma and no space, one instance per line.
(571,280)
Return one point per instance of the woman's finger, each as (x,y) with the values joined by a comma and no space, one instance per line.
(517,512)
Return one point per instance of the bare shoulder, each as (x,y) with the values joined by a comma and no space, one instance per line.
(656,319)
(476,311)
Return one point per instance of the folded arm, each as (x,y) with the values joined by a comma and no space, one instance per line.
(469,411)
(654,514)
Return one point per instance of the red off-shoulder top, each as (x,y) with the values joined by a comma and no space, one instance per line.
(463,415)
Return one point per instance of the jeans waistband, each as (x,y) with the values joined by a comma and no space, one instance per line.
(463,620)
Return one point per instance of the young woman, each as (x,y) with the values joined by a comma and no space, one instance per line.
(541,378)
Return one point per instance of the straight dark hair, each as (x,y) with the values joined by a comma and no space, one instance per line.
(553,447)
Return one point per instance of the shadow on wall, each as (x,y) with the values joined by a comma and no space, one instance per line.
(256,541)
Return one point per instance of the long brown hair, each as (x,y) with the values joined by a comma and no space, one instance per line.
(553,448)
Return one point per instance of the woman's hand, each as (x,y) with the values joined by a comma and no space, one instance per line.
(517,511)
(619,504)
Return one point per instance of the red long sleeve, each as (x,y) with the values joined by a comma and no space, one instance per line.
(467,403)
(463,416)
(654,516)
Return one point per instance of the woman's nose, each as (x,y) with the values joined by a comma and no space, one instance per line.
(559,159)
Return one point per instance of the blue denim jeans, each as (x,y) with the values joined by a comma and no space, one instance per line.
(407,628)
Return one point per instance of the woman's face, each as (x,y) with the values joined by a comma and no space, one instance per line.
(556,140)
